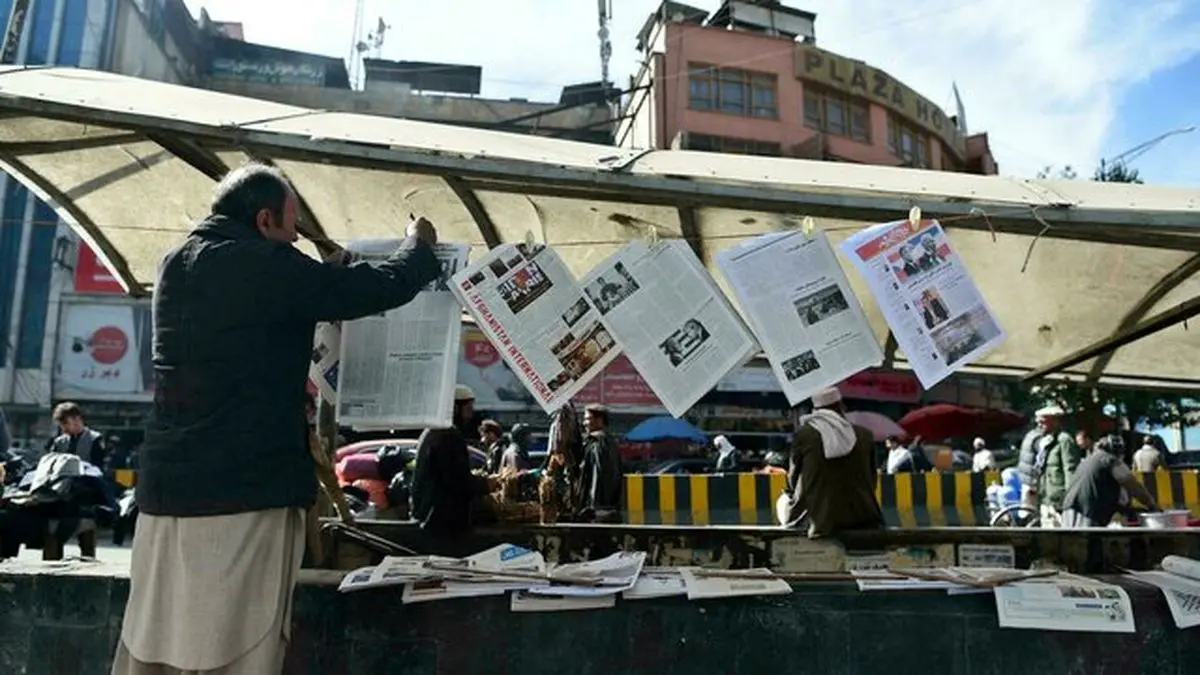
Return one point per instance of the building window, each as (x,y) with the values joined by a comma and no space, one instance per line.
(909,143)
(837,114)
(736,146)
(732,92)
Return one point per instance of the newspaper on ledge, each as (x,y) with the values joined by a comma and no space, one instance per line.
(398,369)
(425,583)
(615,573)
(1179,581)
(1066,603)
(799,303)
(939,318)
(530,307)
(672,320)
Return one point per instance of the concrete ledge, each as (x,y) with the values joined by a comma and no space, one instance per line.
(65,620)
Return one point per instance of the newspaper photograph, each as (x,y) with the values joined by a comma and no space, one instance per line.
(1065,603)
(398,369)
(706,584)
(798,302)
(327,350)
(672,320)
(935,310)
(531,308)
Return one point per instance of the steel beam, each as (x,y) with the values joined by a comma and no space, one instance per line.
(479,214)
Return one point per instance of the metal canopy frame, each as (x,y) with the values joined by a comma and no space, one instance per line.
(614,179)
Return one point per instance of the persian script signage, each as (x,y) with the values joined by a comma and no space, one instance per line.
(859,79)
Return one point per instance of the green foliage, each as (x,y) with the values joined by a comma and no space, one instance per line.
(1117,172)
(1136,406)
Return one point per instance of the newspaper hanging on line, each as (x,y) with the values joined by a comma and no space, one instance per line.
(327,349)
(531,308)
(398,369)
(799,304)
(1067,603)
(928,298)
(674,324)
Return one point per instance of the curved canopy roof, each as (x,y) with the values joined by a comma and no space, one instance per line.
(130,164)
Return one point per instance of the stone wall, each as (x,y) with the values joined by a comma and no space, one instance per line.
(65,620)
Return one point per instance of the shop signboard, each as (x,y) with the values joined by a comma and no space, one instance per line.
(898,387)
(92,277)
(104,351)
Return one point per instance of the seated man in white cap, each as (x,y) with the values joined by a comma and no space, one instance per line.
(1048,458)
(444,491)
(831,480)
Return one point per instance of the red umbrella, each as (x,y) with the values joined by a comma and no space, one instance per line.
(936,423)
(880,426)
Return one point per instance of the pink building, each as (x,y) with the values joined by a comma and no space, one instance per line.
(750,79)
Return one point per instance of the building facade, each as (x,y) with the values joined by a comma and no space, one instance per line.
(751,79)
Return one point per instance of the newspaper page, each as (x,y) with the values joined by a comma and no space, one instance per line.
(327,349)
(657,582)
(928,298)
(798,301)
(1182,594)
(530,307)
(707,584)
(524,601)
(674,324)
(398,369)
(614,574)
(475,570)
(1066,603)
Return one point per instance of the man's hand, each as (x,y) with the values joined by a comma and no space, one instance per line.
(340,257)
(423,230)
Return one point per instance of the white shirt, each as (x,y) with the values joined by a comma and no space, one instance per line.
(984,460)
(1147,459)
(897,458)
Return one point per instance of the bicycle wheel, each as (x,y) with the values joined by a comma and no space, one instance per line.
(1016,515)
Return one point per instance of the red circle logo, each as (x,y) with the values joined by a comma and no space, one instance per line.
(480,353)
(109,345)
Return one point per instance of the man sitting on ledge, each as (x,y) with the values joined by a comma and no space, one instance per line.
(831,479)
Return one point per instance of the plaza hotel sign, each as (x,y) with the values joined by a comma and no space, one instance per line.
(860,80)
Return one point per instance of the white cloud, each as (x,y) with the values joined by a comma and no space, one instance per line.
(1044,77)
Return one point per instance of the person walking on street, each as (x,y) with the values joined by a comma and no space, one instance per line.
(1049,457)
(226,471)
(76,438)
(831,478)
(601,471)
(1147,459)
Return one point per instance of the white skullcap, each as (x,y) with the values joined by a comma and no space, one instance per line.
(826,397)
(1050,411)
(463,393)
(980,443)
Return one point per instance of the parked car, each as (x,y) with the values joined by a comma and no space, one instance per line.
(699,465)
(406,445)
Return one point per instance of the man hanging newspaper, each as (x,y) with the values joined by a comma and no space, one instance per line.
(673,322)
(525,300)
(398,369)
(800,306)
(930,302)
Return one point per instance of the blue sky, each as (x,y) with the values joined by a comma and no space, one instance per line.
(1052,81)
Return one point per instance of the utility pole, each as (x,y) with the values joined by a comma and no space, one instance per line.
(16,26)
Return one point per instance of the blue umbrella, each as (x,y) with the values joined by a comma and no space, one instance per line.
(664,428)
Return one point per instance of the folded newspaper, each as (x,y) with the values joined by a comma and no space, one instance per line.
(1066,603)
(1179,581)
(497,566)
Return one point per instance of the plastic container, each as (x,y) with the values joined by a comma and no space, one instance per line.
(1166,520)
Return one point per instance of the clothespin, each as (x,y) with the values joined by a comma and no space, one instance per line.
(808,225)
(914,218)
(652,236)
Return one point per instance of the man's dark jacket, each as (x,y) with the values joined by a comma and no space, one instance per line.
(443,486)
(234,315)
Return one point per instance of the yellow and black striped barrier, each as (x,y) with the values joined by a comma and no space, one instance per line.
(952,499)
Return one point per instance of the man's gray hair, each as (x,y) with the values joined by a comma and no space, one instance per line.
(248,189)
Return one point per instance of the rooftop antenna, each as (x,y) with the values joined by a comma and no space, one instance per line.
(605,7)
(355,60)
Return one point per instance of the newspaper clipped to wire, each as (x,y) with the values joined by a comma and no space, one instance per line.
(940,319)
(523,297)
(1179,582)
(398,369)
(798,301)
(1065,602)
(672,320)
